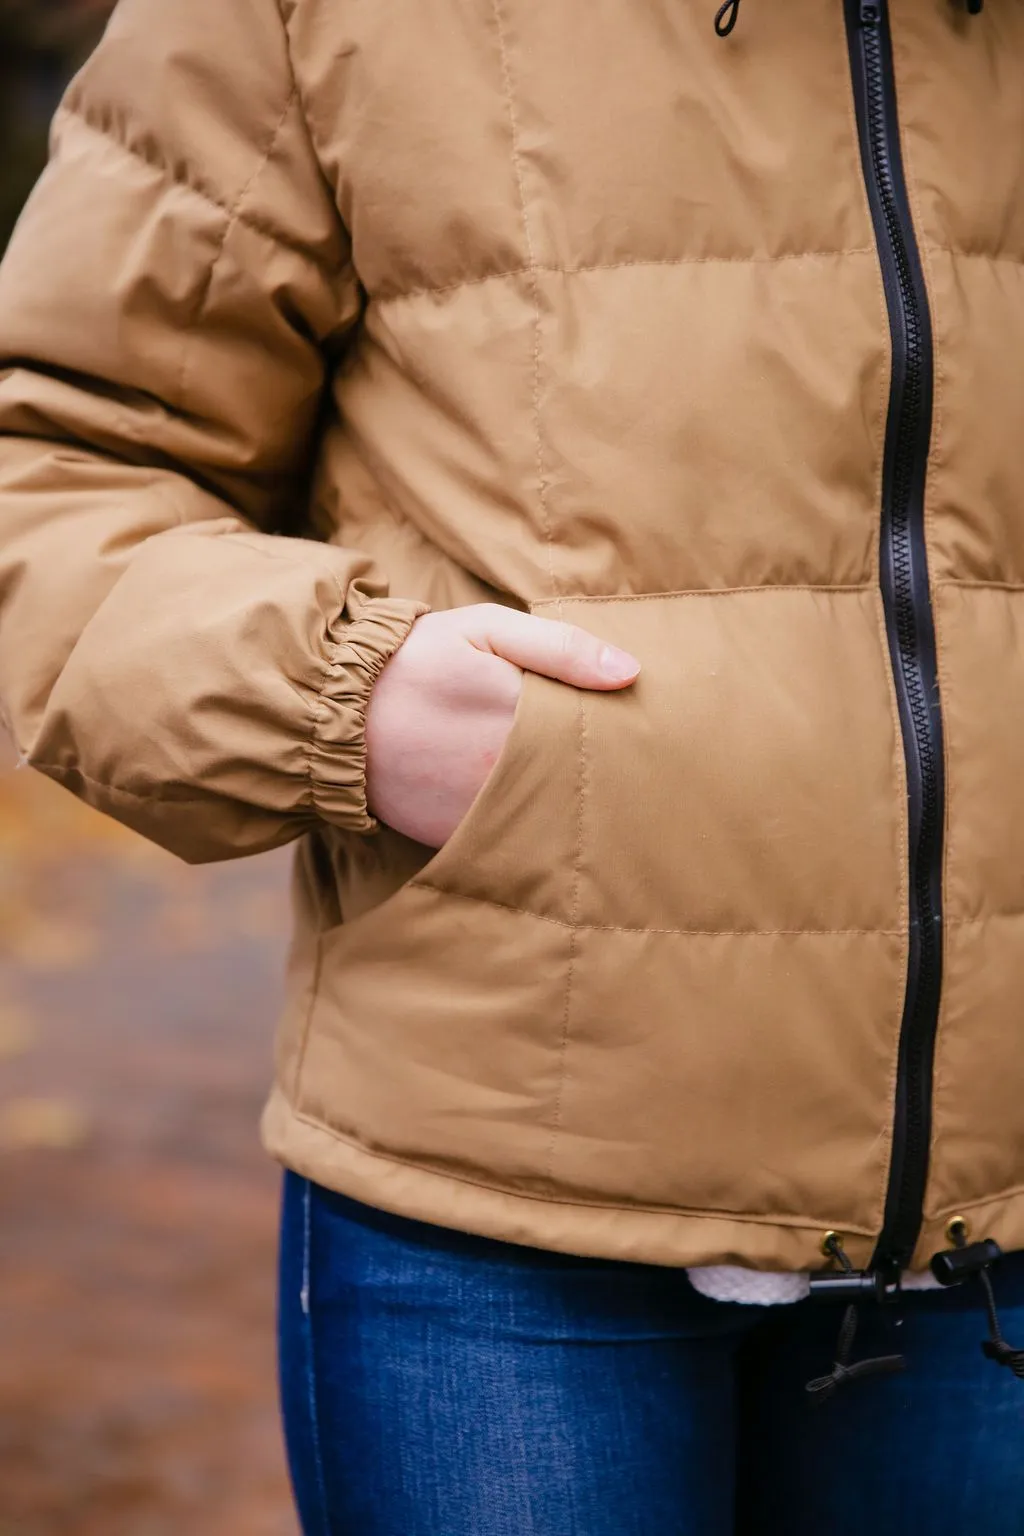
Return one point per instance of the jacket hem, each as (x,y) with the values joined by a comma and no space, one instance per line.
(670,1238)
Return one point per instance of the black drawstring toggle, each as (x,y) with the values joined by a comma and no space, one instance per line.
(858,1284)
(964,1261)
(954,1265)
(727,14)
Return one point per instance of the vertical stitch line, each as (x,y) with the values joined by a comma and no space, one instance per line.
(306,1029)
(314,1420)
(577,878)
(534,284)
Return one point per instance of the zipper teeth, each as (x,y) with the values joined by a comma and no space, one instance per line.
(906,619)
(903,1218)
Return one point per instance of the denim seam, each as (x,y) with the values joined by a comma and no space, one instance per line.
(307,1326)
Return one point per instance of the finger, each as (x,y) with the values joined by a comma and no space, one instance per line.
(563,651)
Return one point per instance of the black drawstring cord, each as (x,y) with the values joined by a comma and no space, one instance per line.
(952,1266)
(822,1388)
(995,1346)
(727,14)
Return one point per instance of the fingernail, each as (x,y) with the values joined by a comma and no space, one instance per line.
(617,665)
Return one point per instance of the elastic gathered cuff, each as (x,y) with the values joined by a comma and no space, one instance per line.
(337,751)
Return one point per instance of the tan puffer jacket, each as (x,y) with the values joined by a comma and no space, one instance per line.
(328,313)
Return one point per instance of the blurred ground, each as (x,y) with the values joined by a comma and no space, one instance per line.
(137,1212)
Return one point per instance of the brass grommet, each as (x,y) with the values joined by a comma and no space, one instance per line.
(830,1242)
(956,1227)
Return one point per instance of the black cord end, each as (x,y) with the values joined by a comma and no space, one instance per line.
(1004,1354)
(727,14)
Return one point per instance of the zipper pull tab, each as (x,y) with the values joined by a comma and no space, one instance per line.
(870,13)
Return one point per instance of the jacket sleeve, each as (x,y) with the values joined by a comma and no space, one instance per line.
(177,287)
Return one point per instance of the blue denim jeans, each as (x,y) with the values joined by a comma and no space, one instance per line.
(436,1384)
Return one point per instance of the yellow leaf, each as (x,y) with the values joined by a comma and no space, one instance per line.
(30,1124)
(17,1031)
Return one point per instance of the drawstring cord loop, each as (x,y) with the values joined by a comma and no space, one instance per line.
(726,17)
(822,1388)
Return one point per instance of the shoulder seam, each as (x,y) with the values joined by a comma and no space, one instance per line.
(98,123)
(304,111)
(234,217)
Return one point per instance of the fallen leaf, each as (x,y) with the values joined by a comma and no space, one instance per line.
(31,1124)
(48,943)
(18,1032)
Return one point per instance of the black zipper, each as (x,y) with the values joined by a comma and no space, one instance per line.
(908,617)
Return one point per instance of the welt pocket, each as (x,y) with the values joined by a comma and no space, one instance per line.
(516,842)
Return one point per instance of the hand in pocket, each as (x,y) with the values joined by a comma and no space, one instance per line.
(442,708)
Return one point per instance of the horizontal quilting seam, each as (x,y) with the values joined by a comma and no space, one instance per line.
(690,1212)
(692,933)
(653,597)
(104,129)
(979,1203)
(616,266)
(989,917)
(978,585)
(990,256)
